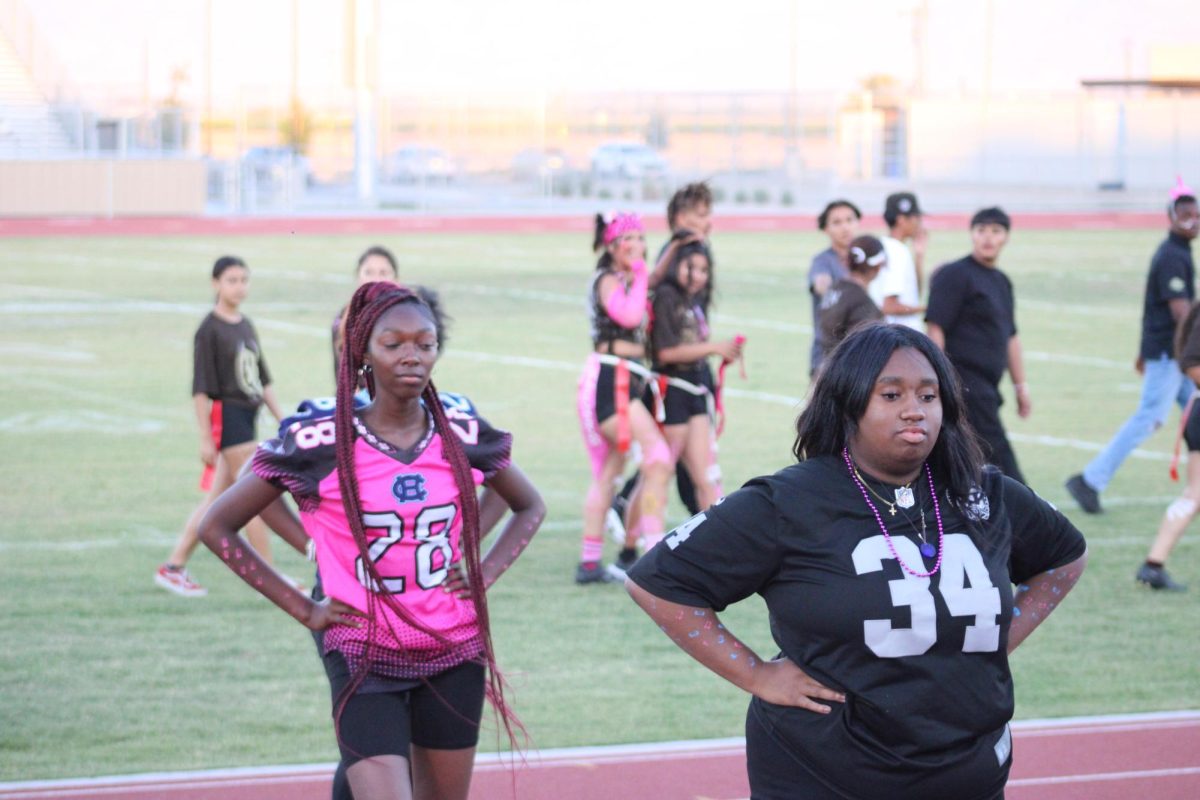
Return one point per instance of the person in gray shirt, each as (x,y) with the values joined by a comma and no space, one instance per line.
(839,221)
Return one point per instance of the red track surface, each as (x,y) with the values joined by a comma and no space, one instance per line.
(382,224)
(1115,758)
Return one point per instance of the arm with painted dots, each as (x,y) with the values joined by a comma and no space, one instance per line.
(1047,558)
(700,633)
(1039,596)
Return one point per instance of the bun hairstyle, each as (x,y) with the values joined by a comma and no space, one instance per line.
(823,217)
(866,254)
(367,306)
(601,225)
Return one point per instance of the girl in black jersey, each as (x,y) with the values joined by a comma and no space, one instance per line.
(230,381)
(887,558)
(681,345)
(611,413)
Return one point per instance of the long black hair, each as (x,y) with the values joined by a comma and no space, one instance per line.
(843,389)
(682,254)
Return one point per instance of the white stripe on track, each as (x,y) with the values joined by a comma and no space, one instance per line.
(608,754)
(1102,777)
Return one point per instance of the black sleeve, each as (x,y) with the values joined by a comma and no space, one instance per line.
(299,460)
(488,449)
(719,556)
(1171,278)
(204,362)
(946,291)
(1012,307)
(264,374)
(1042,538)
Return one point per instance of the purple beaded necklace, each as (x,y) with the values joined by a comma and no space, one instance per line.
(937,511)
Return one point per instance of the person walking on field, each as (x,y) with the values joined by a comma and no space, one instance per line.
(230,381)
(898,287)
(839,221)
(972,316)
(1170,290)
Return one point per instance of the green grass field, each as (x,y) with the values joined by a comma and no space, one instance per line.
(101,672)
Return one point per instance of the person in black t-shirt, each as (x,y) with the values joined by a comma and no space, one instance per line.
(846,303)
(887,559)
(1170,289)
(972,316)
(230,381)
(680,347)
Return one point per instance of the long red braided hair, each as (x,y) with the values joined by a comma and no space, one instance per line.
(368,304)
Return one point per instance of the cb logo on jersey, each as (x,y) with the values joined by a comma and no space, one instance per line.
(410,488)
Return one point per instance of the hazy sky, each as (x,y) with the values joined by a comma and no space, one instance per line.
(529,46)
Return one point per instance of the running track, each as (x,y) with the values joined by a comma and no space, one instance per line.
(578,223)
(1100,758)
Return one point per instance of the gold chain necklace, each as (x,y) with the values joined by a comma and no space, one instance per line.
(904,494)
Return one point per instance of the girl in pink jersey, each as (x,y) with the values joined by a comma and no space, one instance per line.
(387,494)
(611,413)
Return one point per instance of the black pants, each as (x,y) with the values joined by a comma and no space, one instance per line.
(683,482)
(983,412)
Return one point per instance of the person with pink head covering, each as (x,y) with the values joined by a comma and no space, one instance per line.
(1170,291)
(611,413)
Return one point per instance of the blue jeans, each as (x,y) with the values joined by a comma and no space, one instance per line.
(1162,384)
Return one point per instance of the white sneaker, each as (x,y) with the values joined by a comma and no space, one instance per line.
(177,580)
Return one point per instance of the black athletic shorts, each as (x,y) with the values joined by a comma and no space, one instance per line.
(442,714)
(237,425)
(680,405)
(606,388)
(1191,429)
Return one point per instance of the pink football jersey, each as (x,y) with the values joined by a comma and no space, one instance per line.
(412,513)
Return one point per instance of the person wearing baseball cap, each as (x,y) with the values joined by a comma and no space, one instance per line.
(898,287)
(1170,290)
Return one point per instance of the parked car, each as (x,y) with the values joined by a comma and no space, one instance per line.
(417,163)
(535,163)
(627,160)
(273,168)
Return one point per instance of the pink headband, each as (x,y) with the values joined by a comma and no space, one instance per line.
(1181,189)
(622,224)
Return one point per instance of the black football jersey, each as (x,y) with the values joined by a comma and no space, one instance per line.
(922,660)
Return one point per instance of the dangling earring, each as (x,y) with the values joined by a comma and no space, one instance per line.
(364,370)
